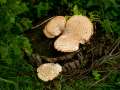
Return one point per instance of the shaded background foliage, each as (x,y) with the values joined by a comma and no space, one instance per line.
(17,17)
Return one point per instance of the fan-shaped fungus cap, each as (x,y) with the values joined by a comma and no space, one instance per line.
(78,30)
(54,27)
(48,71)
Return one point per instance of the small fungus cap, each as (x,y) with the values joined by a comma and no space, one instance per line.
(79,29)
(65,44)
(54,27)
(48,71)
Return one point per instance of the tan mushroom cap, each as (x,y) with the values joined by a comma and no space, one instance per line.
(48,71)
(55,27)
(79,29)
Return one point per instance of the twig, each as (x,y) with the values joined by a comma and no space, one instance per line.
(10,82)
(107,57)
(114,46)
(7,81)
(100,80)
(34,27)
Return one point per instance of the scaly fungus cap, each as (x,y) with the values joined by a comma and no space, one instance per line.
(48,71)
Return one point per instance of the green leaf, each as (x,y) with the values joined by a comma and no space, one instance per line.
(3,1)
(106,24)
(96,75)
(78,11)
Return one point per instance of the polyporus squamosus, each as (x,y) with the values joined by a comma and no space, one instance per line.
(55,27)
(79,29)
(48,71)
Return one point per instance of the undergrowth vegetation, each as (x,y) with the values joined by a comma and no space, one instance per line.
(17,18)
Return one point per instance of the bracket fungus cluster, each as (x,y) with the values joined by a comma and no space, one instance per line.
(48,71)
(77,30)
